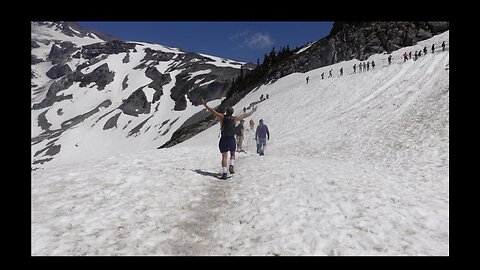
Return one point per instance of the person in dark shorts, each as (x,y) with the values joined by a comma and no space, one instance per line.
(227,142)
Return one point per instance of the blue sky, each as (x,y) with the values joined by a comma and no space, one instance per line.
(241,41)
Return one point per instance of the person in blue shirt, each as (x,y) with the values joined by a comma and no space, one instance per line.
(261,136)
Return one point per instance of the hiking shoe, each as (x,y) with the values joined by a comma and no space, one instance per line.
(231,169)
(224,176)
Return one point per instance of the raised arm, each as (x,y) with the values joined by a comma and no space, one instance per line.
(245,115)
(215,113)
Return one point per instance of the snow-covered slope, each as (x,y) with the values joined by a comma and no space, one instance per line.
(356,165)
(93,98)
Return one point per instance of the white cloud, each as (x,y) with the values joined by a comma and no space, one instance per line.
(239,35)
(259,40)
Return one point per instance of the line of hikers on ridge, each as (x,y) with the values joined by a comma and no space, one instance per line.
(366,67)
(232,134)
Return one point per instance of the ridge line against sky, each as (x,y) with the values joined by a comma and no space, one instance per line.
(240,41)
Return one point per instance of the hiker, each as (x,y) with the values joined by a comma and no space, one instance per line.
(425,50)
(323,73)
(261,137)
(267,96)
(405,57)
(261,97)
(252,124)
(307,79)
(410,55)
(354,68)
(368,65)
(373,64)
(415,56)
(341,71)
(227,141)
(443,46)
(239,133)
(389,59)
(433,48)
(330,73)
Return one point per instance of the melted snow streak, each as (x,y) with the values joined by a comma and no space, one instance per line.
(356,165)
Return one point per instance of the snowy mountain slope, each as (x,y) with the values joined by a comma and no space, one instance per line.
(94,98)
(356,165)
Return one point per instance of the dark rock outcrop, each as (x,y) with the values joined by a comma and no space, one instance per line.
(36,60)
(158,81)
(110,47)
(124,83)
(60,52)
(112,122)
(35,44)
(136,103)
(155,57)
(58,71)
(101,76)
(186,85)
(55,87)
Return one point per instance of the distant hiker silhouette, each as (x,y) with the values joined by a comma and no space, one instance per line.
(354,68)
(425,50)
(330,73)
(389,59)
(252,124)
(373,64)
(443,46)
(227,141)
(261,137)
(307,79)
(433,48)
(341,71)
(239,133)
(323,73)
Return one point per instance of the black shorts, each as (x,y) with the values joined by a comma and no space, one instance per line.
(227,144)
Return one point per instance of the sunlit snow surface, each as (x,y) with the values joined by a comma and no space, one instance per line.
(356,165)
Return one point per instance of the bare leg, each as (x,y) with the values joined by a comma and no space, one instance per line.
(224,159)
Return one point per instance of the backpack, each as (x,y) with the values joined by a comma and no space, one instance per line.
(228,126)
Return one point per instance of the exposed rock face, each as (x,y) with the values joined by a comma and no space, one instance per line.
(60,52)
(158,81)
(36,60)
(112,122)
(53,89)
(186,86)
(111,47)
(358,40)
(101,76)
(35,44)
(136,103)
(154,57)
(58,71)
